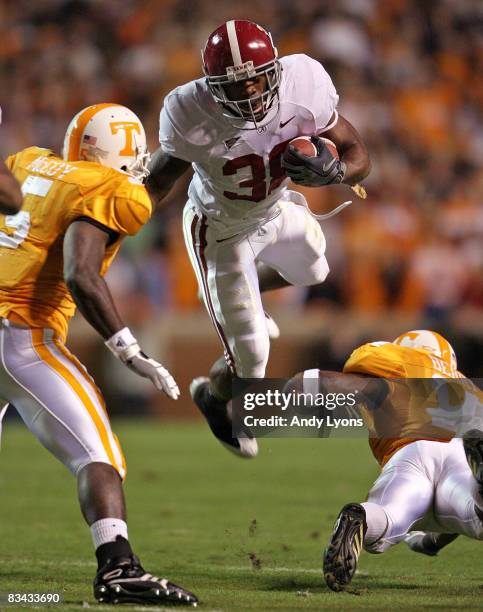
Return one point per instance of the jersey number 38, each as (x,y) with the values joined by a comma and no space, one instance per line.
(260,184)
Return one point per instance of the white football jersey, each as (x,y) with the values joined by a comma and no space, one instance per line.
(238,176)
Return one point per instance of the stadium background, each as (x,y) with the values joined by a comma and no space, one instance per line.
(249,535)
(410,79)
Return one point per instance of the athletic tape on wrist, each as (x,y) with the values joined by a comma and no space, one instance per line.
(123,343)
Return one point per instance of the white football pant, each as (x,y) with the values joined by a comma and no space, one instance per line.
(292,243)
(56,398)
(425,486)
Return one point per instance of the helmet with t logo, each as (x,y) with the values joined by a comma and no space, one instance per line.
(111,135)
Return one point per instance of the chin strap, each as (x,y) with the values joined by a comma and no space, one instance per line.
(330,214)
(138,168)
(298,198)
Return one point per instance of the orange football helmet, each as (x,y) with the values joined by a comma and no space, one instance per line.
(111,135)
(431,342)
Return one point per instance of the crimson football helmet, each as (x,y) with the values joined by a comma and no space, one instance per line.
(237,51)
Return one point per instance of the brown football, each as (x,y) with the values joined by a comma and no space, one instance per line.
(304,145)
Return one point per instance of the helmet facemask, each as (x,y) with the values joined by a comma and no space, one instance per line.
(243,110)
(138,167)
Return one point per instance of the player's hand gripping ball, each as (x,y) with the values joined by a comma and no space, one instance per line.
(313,161)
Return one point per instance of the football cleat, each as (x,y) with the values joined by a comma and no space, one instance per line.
(123,580)
(344,548)
(473,445)
(218,417)
(428,543)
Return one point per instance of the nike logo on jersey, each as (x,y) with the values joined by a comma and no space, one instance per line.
(284,123)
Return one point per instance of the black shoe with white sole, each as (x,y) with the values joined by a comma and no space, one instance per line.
(218,417)
(123,580)
(344,548)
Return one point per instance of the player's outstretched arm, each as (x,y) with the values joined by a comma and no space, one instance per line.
(84,251)
(10,193)
(353,152)
(371,391)
(164,171)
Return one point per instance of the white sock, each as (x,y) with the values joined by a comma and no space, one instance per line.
(107,530)
(377,522)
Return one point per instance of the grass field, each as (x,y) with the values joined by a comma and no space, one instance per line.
(243,535)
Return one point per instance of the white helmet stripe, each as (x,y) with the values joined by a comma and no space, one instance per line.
(234,47)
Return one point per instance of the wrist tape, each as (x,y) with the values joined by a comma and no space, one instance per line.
(123,344)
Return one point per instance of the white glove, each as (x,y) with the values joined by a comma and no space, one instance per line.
(125,347)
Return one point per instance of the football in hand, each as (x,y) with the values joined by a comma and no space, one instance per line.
(305,146)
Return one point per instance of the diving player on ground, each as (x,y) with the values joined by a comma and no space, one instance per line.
(430,480)
(53,255)
(241,221)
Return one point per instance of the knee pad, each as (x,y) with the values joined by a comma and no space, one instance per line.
(251,354)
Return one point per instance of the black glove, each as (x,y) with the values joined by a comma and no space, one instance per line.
(324,169)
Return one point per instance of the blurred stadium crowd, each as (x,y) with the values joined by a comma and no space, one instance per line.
(410,78)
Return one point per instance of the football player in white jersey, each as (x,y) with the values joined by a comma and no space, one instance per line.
(233,127)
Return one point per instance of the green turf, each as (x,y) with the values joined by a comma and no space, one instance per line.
(244,535)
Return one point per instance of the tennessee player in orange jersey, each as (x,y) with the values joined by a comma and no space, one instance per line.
(53,255)
(430,479)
